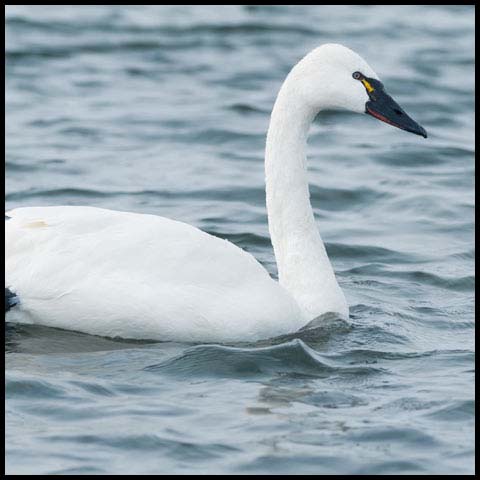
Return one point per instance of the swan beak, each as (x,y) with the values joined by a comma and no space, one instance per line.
(383,107)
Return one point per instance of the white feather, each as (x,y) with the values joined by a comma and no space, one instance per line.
(130,275)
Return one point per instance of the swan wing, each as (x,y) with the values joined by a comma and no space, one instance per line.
(130,275)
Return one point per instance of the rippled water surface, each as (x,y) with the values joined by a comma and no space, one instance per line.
(164,110)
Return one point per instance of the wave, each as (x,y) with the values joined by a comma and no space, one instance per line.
(290,358)
(464,283)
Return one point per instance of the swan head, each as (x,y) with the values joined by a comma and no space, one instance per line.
(334,77)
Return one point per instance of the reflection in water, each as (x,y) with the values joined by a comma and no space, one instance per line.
(37,339)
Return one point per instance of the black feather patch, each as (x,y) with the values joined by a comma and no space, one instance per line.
(11,299)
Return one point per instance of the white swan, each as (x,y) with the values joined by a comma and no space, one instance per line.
(131,275)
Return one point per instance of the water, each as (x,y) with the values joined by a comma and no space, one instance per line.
(164,110)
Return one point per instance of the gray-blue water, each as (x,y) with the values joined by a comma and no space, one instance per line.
(164,110)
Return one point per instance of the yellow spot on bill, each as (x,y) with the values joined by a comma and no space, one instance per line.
(367,86)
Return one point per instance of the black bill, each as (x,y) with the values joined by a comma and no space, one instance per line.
(385,108)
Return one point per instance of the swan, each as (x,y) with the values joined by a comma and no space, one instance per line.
(141,276)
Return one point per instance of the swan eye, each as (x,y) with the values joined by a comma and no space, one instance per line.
(366,83)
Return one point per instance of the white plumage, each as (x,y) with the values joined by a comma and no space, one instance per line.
(140,276)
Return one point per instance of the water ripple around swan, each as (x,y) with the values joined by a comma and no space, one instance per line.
(163,110)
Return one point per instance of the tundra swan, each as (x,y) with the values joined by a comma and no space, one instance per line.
(141,276)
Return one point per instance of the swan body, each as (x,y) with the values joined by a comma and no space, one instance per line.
(129,275)
(141,276)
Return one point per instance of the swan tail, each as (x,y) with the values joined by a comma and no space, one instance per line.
(11,299)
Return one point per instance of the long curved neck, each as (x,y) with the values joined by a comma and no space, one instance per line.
(303,266)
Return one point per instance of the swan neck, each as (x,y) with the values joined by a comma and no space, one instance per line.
(304,269)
